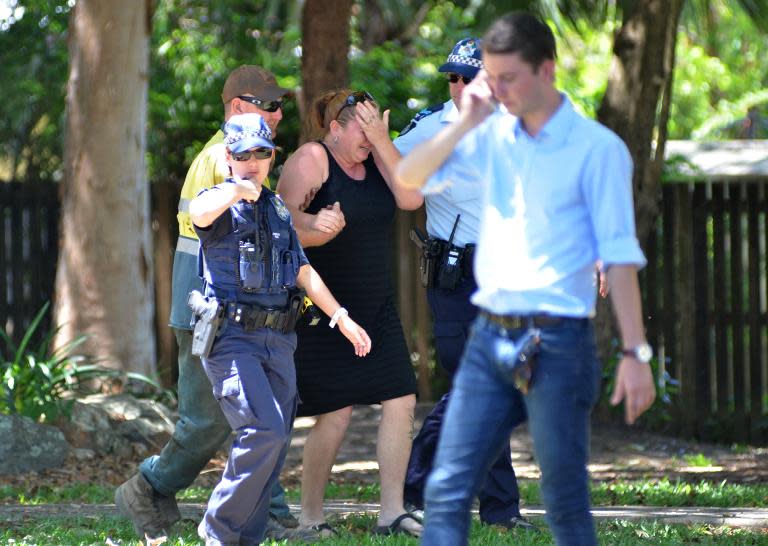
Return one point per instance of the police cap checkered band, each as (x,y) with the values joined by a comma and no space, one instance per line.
(242,135)
(465,58)
(471,61)
(245,131)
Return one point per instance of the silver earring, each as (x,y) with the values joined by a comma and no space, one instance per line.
(335,140)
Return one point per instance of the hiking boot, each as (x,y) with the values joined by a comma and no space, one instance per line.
(152,514)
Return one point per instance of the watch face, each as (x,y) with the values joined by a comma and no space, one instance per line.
(644,352)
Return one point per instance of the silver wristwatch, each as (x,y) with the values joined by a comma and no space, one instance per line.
(643,353)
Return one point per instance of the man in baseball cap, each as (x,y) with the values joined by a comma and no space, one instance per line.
(148,498)
(251,88)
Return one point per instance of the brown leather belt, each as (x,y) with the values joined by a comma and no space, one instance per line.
(512,322)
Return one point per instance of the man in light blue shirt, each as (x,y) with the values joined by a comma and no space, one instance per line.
(558,198)
(458,205)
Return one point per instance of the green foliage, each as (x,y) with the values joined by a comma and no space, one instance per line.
(34,380)
(667,389)
(40,383)
(194,44)
(719,74)
(646,492)
(77,493)
(355,529)
(357,491)
(404,77)
(33,69)
(584,57)
(697,459)
(667,492)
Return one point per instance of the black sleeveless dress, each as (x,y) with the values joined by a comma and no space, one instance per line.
(356,267)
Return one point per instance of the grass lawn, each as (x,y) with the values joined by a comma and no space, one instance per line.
(617,493)
(354,530)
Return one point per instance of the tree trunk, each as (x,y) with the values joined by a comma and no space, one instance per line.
(104,282)
(641,76)
(325,44)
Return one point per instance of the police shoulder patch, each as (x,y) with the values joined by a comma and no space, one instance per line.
(428,111)
(280,208)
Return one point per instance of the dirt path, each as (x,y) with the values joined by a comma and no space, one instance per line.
(617,453)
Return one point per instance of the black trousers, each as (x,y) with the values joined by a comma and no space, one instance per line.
(499,497)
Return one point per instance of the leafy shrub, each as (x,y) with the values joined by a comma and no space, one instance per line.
(40,383)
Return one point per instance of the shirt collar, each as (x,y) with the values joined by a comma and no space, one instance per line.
(449,113)
(556,128)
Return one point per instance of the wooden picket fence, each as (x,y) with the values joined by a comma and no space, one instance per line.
(705,291)
(29,222)
(705,301)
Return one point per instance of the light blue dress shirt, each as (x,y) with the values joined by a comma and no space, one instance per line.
(553,205)
(464,197)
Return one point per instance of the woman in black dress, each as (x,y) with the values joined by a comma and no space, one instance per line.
(343,204)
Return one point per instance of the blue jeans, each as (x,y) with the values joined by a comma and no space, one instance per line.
(199,433)
(484,408)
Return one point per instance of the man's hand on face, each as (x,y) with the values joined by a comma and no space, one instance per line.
(477,101)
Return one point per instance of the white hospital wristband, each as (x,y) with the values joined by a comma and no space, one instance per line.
(340,312)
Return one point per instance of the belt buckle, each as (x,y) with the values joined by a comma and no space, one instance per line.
(509,322)
(514,322)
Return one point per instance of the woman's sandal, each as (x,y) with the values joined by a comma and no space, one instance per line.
(396,526)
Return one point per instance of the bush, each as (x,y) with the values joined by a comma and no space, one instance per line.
(41,384)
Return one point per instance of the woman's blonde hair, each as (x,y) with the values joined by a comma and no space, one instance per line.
(328,107)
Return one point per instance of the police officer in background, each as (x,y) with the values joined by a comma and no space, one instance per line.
(148,498)
(452,216)
(252,264)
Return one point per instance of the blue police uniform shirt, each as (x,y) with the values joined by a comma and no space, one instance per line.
(461,197)
(223,226)
(553,205)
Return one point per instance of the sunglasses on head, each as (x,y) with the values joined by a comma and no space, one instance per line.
(354,98)
(454,78)
(256,153)
(266,105)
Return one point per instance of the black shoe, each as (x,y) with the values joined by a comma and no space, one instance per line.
(516,522)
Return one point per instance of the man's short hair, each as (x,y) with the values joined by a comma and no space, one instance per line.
(522,33)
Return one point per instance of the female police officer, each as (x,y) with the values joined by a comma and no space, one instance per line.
(252,263)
